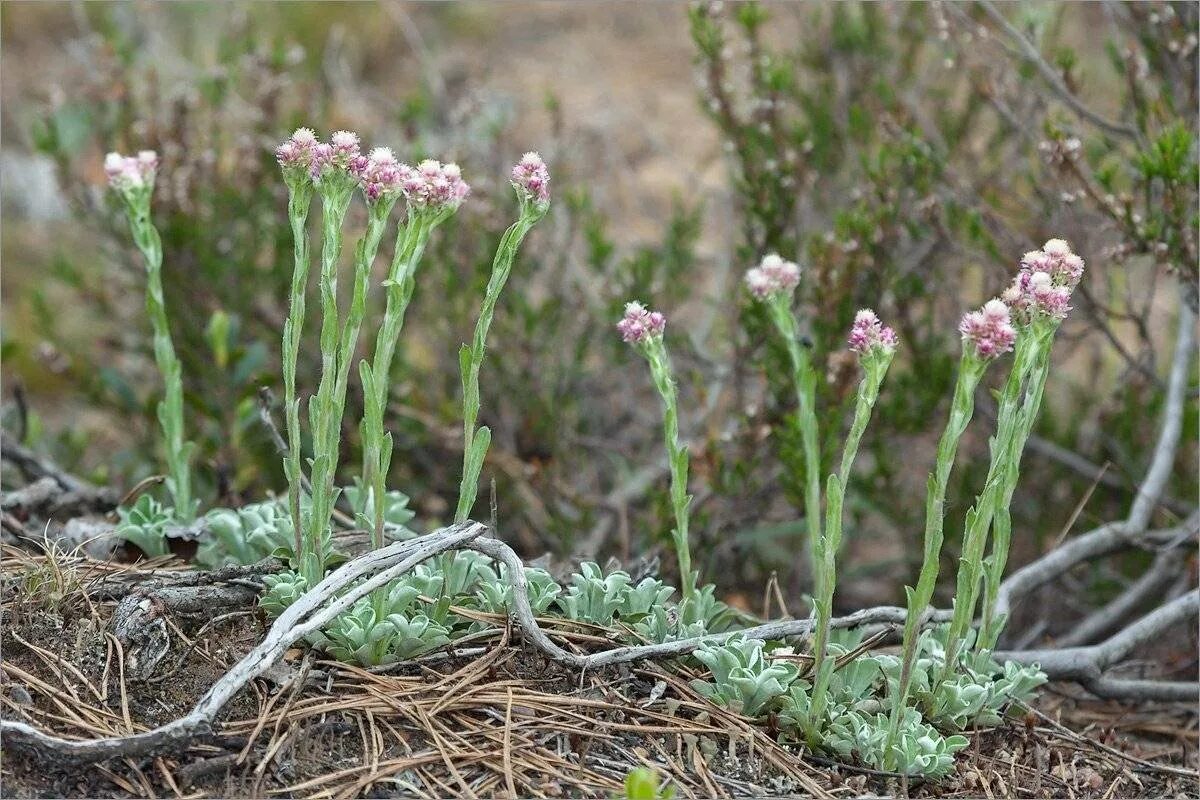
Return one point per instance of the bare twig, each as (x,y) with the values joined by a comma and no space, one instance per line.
(1031,54)
(34,466)
(1166,567)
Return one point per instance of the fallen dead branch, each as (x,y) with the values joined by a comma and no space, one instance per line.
(1088,664)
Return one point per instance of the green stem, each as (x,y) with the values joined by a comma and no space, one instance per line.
(655,351)
(338,341)
(970,371)
(979,517)
(990,627)
(876,365)
(471,359)
(805,378)
(411,240)
(299,200)
(177,452)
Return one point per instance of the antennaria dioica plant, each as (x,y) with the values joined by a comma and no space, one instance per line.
(433,193)
(875,345)
(644,330)
(1040,296)
(294,157)
(531,181)
(773,281)
(986,334)
(132,177)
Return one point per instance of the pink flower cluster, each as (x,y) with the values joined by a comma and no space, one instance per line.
(342,151)
(772,276)
(131,172)
(433,184)
(530,175)
(1046,281)
(379,174)
(640,324)
(989,329)
(298,151)
(869,335)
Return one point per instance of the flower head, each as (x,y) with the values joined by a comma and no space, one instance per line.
(640,324)
(297,152)
(379,174)
(1055,258)
(1044,285)
(531,177)
(868,335)
(131,172)
(772,276)
(989,330)
(432,184)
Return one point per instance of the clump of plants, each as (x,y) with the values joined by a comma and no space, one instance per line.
(898,713)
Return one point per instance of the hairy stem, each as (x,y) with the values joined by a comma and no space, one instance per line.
(970,371)
(471,359)
(177,452)
(411,240)
(677,459)
(299,200)
(876,365)
(805,379)
(1004,448)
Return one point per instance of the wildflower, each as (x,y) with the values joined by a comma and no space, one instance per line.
(1064,267)
(989,330)
(131,172)
(432,184)
(1044,285)
(531,176)
(869,335)
(640,325)
(297,152)
(345,145)
(772,276)
(379,174)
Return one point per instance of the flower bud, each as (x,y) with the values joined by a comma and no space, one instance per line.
(640,324)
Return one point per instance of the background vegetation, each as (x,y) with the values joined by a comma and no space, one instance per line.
(905,154)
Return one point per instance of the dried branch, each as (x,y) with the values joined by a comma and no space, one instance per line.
(1088,664)
(34,466)
(1106,539)
(356,579)
(1152,487)
(1167,566)
(1052,78)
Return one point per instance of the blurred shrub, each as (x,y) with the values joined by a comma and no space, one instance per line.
(907,154)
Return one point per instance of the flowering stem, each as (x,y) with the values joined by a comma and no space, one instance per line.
(655,351)
(970,371)
(805,378)
(979,518)
(470,359)
(411,240)
(170,409)
(876,364)
(1043,333)
(338,341)
(299,200)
